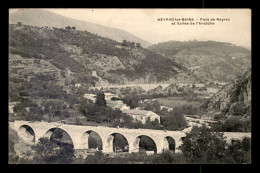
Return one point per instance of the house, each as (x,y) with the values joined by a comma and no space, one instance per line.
(125,107)
(11,107)
(108,96)
(141,115)
(92,97)
(117,104)
(121,107)
(77,85)
(200,85)
(167,108)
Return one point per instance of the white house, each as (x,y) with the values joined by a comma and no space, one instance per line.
(141,115)
(92,97)
(77,85)
(108,96)
(167,108)
(121,107)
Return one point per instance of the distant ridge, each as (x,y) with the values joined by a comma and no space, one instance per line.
(208,60)
(45,18)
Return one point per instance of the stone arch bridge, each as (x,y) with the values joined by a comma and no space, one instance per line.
(79,135)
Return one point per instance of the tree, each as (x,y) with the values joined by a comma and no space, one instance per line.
(85,107)
(235,124)
(240,151)
(174,120)
(100,101)
(49,152)
(124,43)
(138,45)
(19,24)
(131,100)
(147,143)
(68,28)
(154,106)
(203,146)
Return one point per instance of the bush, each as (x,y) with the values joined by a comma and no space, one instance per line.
(168,157)
(240,152)
(235,124)
(174,120)
(51,153)
(203,146)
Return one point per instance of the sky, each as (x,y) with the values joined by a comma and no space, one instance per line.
(144,23)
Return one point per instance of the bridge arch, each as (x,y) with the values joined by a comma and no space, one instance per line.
(117,142)
(144,142)
(26,133)
(169,143)
(91,139)
(59,135)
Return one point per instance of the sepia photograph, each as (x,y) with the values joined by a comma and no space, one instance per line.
(129,86)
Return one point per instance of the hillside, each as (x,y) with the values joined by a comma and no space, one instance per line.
(208,60)
(93,59)
(43,18)
(234,99)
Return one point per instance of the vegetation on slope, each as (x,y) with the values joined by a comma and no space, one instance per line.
(208,60)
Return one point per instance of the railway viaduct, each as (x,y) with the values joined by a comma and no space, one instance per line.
(33,131)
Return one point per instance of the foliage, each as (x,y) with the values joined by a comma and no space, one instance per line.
(173,120)
(240,151)
(137,158)
(51,153)
(203,146)
(115,98)
(131,100)
(154,106)
(167,157)
(100,101)
(119,141)
(147,143)
(233,124)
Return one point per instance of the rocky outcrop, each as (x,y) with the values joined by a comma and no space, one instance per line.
(233,99)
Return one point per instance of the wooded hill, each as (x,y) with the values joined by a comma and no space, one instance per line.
(208,60)
(83,53)
(40,18)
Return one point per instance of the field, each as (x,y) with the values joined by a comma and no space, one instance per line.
(173,102)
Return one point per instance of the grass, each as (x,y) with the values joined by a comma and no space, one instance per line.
(173,102)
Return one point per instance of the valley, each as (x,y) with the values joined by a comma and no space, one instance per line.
(80,92)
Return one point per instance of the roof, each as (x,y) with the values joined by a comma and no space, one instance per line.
(134,111)
(111,103)
(109,94)
(92,95)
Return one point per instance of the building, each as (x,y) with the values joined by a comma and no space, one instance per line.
(109,96)
(167,108)
(11,107)
(121,107)
(141,115)
(77,85)
(118,104)
(92,97)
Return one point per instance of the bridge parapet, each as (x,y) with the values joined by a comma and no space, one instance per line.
(79,137)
